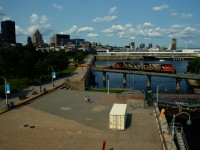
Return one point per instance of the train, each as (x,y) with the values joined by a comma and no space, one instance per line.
(150,67)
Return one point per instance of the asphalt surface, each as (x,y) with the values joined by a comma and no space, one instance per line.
(62,120)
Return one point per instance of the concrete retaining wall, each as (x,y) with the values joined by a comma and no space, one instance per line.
(163,128)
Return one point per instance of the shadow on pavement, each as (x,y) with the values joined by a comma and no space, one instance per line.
(128,120)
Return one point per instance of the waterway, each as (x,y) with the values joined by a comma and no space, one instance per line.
(139,82)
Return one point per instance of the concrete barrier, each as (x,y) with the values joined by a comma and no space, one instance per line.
(163,128)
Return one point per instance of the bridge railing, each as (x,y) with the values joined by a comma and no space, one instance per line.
(185,100)
(180,136)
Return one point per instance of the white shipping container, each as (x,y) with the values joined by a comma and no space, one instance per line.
(117,117)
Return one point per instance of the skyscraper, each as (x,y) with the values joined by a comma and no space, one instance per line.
(37,39)
(173,44)
(60,39)
(8,32)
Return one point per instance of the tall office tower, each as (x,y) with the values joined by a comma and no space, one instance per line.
(37,39)
(150,45)
(78,42)
(132,45)
(8,32)
(60,39)
(29,41)
(173,43)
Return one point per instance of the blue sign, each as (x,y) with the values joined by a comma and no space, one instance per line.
(53,74)
(8,88)
(107,76)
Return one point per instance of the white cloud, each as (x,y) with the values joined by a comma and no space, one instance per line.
(20,31)
(108,18)
(186,16)
(36,22)
(132,38)
(104,19)
(174,14)
(189,42)
(113,10)
(116,28)
(177,26)
(6,18)
(190,29)
(123,34)
(1,11)
(128,25)
(148,24)
(39,22)
(85,29)
(159,8)
(128,31)
(183,32)
(34,19)
(72,30)
(56,6)
(92,35)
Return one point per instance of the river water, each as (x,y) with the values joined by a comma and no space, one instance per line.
(139,82)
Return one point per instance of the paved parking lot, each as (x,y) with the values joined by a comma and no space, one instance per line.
(63,120)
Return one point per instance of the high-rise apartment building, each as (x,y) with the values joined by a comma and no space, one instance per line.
(8,32)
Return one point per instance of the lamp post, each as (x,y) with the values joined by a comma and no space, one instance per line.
(189,122)
(108,82)
(5,89)
(53,76)
(157,88)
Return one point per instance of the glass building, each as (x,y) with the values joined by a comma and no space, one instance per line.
(8,32)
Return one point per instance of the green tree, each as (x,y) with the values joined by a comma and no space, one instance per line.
(194,65)
(79,57)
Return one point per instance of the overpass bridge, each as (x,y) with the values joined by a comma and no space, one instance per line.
(178,76)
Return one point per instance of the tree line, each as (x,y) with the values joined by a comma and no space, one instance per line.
(194,65)
(27,62)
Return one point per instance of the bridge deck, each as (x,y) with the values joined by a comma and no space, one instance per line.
(178,75)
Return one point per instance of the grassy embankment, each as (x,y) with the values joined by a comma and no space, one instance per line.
(17,84)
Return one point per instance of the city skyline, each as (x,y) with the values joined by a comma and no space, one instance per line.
(112,22)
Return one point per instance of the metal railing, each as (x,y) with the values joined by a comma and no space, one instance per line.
(180,136)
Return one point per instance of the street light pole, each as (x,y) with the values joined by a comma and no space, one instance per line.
(189,122)
(52,76)
(5,83)
(108,82)
(157,88)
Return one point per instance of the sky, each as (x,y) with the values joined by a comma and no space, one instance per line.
(112,22)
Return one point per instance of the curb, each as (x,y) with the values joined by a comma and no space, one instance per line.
(29,99)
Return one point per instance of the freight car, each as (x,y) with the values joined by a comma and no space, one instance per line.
(135,66)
